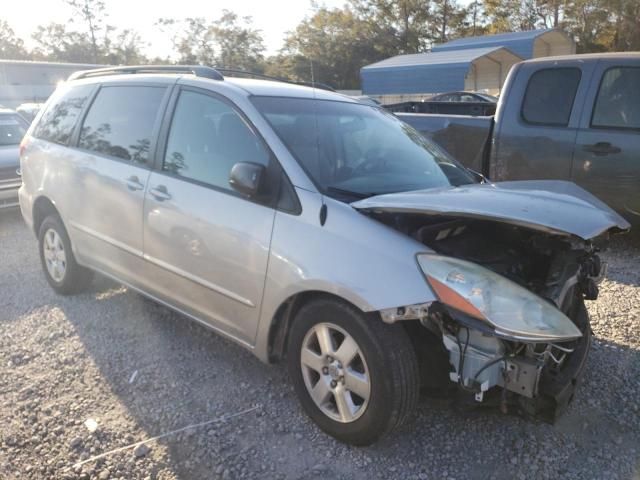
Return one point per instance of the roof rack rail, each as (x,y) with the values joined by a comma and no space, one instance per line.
(197,70)
(230,72)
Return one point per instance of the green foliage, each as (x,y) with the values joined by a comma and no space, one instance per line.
(330,47)
(92,13)
(228,41)
(332,44)
(11,47)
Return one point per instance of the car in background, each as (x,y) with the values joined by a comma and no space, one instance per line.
(29,110)
(12,129)
(464,97)
(452,103)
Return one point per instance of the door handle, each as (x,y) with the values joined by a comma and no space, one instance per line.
(160,193)
(602,148)
(133,183)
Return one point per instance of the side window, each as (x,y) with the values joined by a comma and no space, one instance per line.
(207,137)
(550,95)
(58,121)
(618,101)
(120,122)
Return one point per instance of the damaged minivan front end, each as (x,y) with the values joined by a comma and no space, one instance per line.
(510,266)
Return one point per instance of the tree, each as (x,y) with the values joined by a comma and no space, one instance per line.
(92,12)
(124,49)
(511,15)
(192,39)
(239,44)
(330,47)
(11,47)
(400,25)
(228,41)
(54,42)
(448,19)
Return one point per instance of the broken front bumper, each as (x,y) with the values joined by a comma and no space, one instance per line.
(556,390)
(523,382)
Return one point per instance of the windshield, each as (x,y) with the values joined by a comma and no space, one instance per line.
(355,151)
(12,129)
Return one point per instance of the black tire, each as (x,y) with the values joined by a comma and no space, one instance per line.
(391,362)
(76,278)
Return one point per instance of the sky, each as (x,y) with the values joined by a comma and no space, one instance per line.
(273,17)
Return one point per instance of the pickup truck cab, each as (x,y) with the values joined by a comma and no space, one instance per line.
(573,117)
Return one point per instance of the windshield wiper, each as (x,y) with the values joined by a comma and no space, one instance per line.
(350,193)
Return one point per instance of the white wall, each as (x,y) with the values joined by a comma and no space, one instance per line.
(553,44)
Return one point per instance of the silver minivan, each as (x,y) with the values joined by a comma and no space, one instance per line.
(317,230)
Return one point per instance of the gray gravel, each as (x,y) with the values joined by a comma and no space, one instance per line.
(137,370)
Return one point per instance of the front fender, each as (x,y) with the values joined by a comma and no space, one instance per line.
(351,256)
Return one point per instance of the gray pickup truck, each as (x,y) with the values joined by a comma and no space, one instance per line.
(574,118)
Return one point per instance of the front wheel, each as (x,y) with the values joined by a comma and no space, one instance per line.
(58,262)
(355,376)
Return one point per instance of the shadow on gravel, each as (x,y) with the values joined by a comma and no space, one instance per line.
(623,256)
(142,370)
(187,374)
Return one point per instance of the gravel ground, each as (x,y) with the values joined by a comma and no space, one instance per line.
(80,376)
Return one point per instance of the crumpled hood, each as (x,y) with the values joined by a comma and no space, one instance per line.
(551,206)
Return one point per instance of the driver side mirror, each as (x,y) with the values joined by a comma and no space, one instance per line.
(246,177)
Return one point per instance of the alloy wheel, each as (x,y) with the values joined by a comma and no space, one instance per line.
(54,255)
(335,372)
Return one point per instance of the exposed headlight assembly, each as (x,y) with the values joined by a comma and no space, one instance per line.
(512,310)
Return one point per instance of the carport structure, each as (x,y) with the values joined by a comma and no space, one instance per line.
(527,44)
(416,76)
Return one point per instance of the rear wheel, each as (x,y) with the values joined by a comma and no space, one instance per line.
(58,262)
(355,376)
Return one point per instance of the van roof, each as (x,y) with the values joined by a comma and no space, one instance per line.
(260,86)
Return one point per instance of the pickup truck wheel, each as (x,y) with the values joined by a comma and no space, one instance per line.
(58,263)
(355,376)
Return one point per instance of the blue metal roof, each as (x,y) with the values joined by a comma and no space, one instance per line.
(432,58)
(520,43)
(421,72)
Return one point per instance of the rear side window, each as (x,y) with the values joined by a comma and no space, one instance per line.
(207,138)
(120,122)
(59,120)
(550,95)
(618,102)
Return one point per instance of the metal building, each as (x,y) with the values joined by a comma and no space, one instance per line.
(24,81)
(472,63)
(418,76)
(527,44)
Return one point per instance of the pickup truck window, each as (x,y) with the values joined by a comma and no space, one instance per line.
(618,101)
(550,95)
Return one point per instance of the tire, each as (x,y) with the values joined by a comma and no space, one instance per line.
(66,277)
(384,360)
